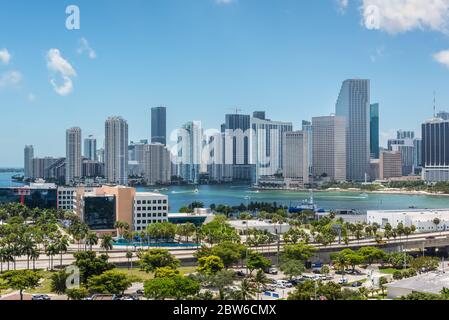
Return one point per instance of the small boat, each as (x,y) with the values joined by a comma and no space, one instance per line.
(364,195)
(196,191)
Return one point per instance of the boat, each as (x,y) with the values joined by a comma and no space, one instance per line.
(364,195)
(196,191)
(306,205)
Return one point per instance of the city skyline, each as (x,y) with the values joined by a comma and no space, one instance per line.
(231,60)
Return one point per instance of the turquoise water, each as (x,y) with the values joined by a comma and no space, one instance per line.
(235,195)
(5,180)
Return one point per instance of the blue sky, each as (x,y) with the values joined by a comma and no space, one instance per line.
(201,58)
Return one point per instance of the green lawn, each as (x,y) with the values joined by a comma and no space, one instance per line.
(391,270)
(140,276)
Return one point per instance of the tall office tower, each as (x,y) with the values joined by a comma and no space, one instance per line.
(100,155)
(354,104)
(435,150)
(28,155)
(390,165)
(90,148)
(417,156)
(189,156)
(116,150)
(73,159)
(405,134)
(236,131)
(374,131)
(307,127)
(41,165)
(329,147)
(157,164)
(266,144)
(136,153)
(444,115)
(295,157)
(259,115)
(159,125)
(217,168)
(404,144)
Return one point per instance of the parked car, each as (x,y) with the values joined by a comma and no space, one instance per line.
(272,271)
(140,292)
(240,274)
(40,297)
(356,284)
(343,281)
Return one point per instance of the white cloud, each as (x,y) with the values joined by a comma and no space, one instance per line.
(224,1)
(10,78)
(57,64)
(397,16)
(5,56)
(442,57)
(342,5)
(84,47)
(380,52)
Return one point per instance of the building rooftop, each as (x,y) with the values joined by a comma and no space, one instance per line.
(433,282)
(416,214)
(150,194)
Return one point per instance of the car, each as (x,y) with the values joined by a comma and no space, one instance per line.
(343,281)
(40,297)
(240,274)
(356,284)
(140,292)
(273,271)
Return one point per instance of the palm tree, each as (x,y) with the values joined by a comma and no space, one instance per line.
(34,256)
(62,245)
(106,242)
(436,222)
(129,256)
(246,290)
(260,279)
(51,251)
(91,240)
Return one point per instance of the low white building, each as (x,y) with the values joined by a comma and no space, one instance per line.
(266,225)
(149,208)
(433,282)
(422,219)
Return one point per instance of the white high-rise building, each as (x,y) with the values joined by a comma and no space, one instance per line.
(157,164)
(190,146)
(296,156)
(73,161)
(28,161)
(329,147)
(116,150)
(266,145)
(354,104)
(90,148)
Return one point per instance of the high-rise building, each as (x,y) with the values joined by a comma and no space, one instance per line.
(136,153)
(266,146)
(159,125)
(116,150)
(295,156)
(444,115)
(238,125)
(401,134)
(374,131)
(435,150)
(329,147)
(417,156)
(90,148)
(189,153)
(28,154)
(390,165)
(157,164)
(73,157)
(100,155)
(307,127)
(41,166)
(259,115)
(404,144)
(354,105)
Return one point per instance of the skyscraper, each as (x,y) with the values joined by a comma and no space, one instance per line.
(354,105)
(374,131)
(116,150)
(159,125)
(28,154)
(295,156)
(417,156)
(266,144)
(435,150)
(329,147)
(390,165)
(189,157)
(157,164)
(90,148)
(307,127)
(73,166)
(401,134)
(404,144)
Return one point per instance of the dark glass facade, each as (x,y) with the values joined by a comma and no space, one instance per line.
(159,125)
(374,131)
(435,144)
(31,197)
(99,212)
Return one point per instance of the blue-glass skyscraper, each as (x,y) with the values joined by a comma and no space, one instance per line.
(374,131)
